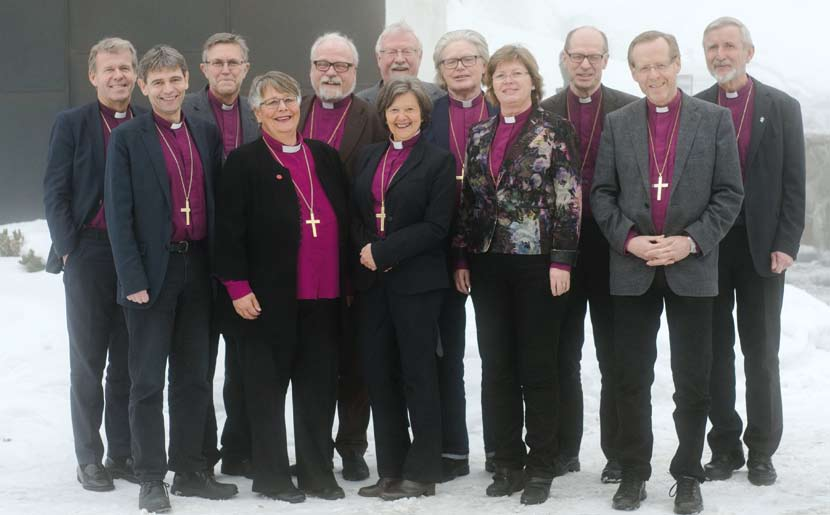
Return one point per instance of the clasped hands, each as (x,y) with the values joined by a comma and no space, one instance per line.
(660,250)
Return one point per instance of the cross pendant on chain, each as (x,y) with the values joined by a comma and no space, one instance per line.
(186,211)
(313,222)
(382,217)
(660,185)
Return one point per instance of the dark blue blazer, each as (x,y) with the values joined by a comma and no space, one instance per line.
(438,131)
(73,186)
(138,205)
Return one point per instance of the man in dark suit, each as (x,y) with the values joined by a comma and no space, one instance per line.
(667,189)
(754,255)
(398,52)
(225,65)
(73,197)
(335,116)
(159,191)
(585,102)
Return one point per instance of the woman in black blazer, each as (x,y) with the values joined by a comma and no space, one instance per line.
(403,199)
(281,238)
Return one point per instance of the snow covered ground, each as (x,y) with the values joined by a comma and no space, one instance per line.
(37,459)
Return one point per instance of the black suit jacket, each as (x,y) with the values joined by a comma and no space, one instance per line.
(197,105)
(420,202)
(138,205)
(73,187)
(612,100)
(258,235)
(774,189)
(361,127)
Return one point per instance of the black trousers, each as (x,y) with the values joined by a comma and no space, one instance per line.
(310,364)
(398,337)
(174,328)
(236,434)
(352,395)
(759,328)
(452,322)
(516,317)
(97,330)
(589,287)
(636,323)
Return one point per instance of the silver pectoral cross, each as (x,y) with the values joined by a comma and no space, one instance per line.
(660,185)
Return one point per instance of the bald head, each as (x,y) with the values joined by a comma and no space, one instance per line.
(585,56)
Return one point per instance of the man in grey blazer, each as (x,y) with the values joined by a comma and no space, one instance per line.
(585,102)
(398,52)
(754,255)
(225,64)
(666,190)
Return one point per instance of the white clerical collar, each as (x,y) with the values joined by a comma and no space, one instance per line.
(585,100)
(509,119)
(661,109)
(466,104)
(176,126)
(731,94)
(327,105)
(119,116)
(292,149)
(226,107)
(397,145)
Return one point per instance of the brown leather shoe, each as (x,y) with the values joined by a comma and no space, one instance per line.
(378,488)
(407,488)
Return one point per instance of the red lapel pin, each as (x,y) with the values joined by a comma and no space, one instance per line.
(279,176)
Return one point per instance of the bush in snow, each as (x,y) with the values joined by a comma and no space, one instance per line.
(32,262)
(10,245)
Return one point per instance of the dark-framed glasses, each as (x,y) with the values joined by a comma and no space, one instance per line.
(339,66)
(452,62)
(577,58)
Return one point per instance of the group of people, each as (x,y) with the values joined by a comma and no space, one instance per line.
(333,240)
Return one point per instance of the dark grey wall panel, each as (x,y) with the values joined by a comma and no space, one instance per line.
(54,38)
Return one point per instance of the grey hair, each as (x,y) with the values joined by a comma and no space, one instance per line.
(160,57)
(601,33)
(225,38)
(728,21)
(398,26)
(335,36)
(468,35)
(397,87)
(111,45)
(653,35)
(279,81)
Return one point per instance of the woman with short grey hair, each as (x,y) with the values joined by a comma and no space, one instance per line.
(281,230)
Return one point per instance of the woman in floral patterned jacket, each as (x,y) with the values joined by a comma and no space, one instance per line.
(515,242)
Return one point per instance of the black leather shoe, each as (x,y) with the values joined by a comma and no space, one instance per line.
(452,468)
(153,497)
(237,468)
(630,494)
(611,473)
(201,484)
(355,468)
(94,477)
(537,490)
(760,470)
(378,488)
(489,465)
(121,468)
(687,498)
(407,488)
(564,464)
(506,482)
(290,495)
(331,493)
(722,465)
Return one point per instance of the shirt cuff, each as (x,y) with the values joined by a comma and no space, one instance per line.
(461,264)
(237,289)
(561,266)
(631,234)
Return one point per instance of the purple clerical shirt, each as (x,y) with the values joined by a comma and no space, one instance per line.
(463,114)
(586,115)
(507,132)
(390,163)
(742,105)
(664,126)
(229,121)
(182,160)
(110,119)
(326,121)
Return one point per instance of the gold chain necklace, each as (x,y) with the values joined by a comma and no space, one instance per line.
(186,208)
(593,128)
(455,140)
(334,132)
(310,205)
(383,186)
(660,184)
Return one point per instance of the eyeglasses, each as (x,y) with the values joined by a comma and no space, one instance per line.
(405,52)
(452,62)
(218,64)
(514,76)
(339,66)
(659,68)
(274,103)
(578,58)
